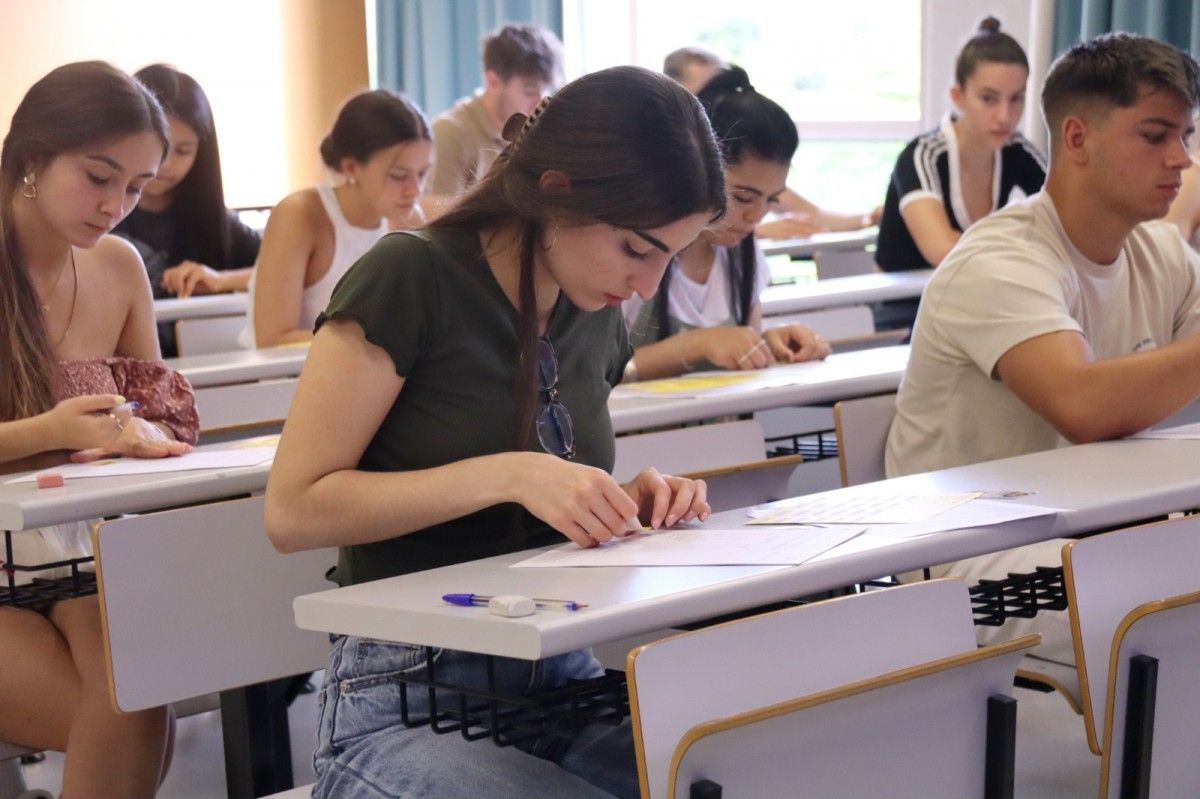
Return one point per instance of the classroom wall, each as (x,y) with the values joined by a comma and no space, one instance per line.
(275,70)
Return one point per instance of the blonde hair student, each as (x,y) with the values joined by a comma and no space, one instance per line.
(79,340)
(380,148)
(481,352)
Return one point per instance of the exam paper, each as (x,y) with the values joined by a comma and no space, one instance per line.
(862,507)
(977,513)
(114,467)
(1184,431)
(701,547)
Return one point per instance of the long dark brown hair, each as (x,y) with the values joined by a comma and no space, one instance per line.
(198,201)
(639,153)
(72,107)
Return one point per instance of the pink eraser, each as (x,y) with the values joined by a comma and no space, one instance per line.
(50,480)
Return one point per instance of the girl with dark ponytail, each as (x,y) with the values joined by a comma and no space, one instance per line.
(706,313)
(974,163)
(379,153)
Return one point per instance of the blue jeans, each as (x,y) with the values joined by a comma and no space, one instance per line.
(364,749)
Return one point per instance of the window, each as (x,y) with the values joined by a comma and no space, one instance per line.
(849,73)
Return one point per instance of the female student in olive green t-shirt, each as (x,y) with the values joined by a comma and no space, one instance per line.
(453,405)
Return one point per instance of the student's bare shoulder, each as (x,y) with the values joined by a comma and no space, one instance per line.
(299,216)
(302,206)
(117,256)
(112,269)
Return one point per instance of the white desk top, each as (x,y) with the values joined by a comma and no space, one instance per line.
(240,366)
(805,247)
(840,376)
(840,291)
(172,308)
(24,506)
(1101,485)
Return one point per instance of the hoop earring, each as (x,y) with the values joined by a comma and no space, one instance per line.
(29,190)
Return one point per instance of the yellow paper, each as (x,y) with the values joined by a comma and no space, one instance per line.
(680,385)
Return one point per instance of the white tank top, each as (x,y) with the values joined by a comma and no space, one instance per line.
(349,244)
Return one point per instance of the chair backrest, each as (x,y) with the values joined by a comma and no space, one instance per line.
(751,663)
(921,731)
(202,335)
(1107,576)
(195,600)
(843,263)
(862,429)
(834,324)
(685,450)
(1169,631)
(260,406)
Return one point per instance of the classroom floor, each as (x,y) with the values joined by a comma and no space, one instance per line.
(1053,761)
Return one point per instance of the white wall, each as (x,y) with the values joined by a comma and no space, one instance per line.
(948,23)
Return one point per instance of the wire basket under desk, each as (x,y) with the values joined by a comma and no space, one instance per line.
(513,719)
(42,591)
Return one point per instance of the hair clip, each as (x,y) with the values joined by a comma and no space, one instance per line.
(514,127)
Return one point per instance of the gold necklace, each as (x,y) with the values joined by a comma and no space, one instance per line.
(74,297)
(45,305)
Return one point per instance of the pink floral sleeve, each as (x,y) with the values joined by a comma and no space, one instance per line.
(164,394)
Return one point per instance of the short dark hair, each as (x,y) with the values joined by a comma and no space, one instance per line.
(525,51)
(988,45)
(369,122)
(678,60)
(1111,70)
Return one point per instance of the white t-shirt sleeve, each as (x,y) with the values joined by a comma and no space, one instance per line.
(1186,321)
(998,297)
(762,276)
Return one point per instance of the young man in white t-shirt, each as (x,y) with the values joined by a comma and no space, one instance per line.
(1069,317)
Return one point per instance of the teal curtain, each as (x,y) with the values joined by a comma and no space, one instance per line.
(430,49)
(1174,21)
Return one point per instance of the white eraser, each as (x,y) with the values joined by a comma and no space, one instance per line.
(511,605)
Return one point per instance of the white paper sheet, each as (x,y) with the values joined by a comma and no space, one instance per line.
(1182,432)
(702,547)
(209,459)
(978,513)
(863,507)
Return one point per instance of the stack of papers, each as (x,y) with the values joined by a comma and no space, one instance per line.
(698,546)
(799,530)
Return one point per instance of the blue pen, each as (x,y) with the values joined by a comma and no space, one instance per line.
(467,600)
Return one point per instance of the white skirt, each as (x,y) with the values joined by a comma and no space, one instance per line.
(49,545)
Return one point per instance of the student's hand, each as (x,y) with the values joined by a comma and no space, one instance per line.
(727,347)
(136,438)
(664,500)
(873,217)
(190,278)
(82,422)
(582,502)
(796,343)
(789,226)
